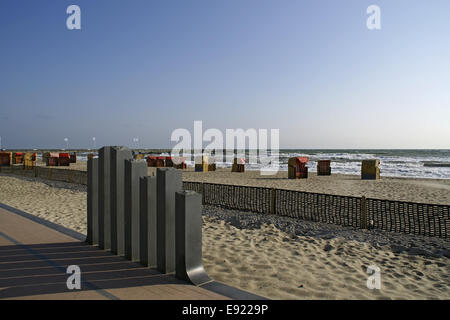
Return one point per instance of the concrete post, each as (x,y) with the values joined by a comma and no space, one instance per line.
(147,232)
(92,202)
(168,181)
(118,157)
(104,194)
(134,170)
(188,230)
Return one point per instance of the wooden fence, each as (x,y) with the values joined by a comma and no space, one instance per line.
(365,213)
(64,175)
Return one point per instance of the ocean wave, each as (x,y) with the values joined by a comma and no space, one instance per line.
(393,163)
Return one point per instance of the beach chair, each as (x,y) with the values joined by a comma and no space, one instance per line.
(64,159)
(297,168)
(168,162)
(238,165)
(52,159)
(211,164)
(324,167)
(5,158)
(160,162)
(370,169)
(180,163)
(45,157)
(201,164)
(29,160)
(17,157)
(151,161)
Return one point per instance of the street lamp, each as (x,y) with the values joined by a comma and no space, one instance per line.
(136,141)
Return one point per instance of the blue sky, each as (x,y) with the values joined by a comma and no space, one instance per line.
(144,68)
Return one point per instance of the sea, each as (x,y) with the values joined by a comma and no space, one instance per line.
(393,163)
(433,164)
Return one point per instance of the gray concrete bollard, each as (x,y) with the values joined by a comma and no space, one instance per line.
(92,202)
(134,170)
(104,197)
(188,239)
(117,166)
(168,181)
(147,232)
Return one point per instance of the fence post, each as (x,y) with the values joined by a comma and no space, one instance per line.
(202,188)
(272,201)
(168,181)
(188,231)
(363,213)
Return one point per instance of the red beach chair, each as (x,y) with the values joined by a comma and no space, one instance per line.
(168,162)
(151,161)
(64,159)
(297,168)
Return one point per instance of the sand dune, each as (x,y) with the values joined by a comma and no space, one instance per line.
(277,257)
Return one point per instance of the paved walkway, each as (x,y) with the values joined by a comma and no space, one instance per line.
(34,256)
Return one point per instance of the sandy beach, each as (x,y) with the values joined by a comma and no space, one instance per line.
(435,191)
(277,257)
(402,189)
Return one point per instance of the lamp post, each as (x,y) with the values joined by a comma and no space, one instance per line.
(67,143)
(136,143)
